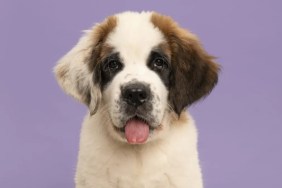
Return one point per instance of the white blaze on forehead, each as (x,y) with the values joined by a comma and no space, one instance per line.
(134,36)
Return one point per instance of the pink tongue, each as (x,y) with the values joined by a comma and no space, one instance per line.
(136,131)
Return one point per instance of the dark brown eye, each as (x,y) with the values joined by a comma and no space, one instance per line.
(159,64)
(114,65)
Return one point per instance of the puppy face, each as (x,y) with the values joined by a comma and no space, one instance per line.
(138,70)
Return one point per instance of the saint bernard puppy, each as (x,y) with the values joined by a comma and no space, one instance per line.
(137,73)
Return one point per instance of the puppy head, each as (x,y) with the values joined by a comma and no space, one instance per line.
(137,70)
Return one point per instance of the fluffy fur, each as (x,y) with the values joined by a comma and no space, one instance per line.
(148,52)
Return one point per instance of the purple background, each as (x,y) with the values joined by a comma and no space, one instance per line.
(239,123)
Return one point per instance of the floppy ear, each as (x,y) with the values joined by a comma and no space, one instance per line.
(78,72)
(74,76)
(194,71)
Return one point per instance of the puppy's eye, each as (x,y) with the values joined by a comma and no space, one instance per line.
(113,65)
(160,63)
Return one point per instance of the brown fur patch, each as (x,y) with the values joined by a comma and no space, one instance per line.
(100,49)
(165,48)
(194,72)
(98,53)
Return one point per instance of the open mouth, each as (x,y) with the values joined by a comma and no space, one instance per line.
(136,130)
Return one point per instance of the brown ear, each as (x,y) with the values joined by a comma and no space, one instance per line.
(194,72)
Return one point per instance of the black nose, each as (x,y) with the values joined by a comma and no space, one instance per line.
(135,94)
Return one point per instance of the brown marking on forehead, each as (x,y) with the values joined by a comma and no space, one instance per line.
(173,33)
(100,34)
(97,60)
(194,72)
(165,48)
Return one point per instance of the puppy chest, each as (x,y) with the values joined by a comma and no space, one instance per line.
(148,177)
(132,171)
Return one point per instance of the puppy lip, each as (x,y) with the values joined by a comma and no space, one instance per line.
(140,118)
(120,129)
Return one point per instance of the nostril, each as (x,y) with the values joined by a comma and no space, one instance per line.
(142,95)
(129,96)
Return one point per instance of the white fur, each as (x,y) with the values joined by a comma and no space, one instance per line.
(169,158)
(165,163)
